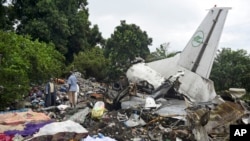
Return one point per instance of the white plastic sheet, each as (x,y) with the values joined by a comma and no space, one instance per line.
(57,127)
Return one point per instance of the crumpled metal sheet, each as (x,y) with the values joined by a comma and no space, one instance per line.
(222,116)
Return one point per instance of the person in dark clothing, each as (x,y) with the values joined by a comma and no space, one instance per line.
(50,93)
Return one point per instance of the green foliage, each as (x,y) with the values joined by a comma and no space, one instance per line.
(160,53)
(231,69)
(127,42)
(5,16)
(246,97)
(24,60)
(162,50)
(63,22)
(91,63)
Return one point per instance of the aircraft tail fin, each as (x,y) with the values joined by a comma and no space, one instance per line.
(199,53)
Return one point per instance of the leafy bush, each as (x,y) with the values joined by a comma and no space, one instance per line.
(22,62)
(91,63)
(231,69)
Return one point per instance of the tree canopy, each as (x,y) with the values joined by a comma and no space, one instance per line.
(6,17)
(231,69)
(127,42)
(91,63)
(62,22)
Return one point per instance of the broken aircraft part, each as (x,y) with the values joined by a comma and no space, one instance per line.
(196,60)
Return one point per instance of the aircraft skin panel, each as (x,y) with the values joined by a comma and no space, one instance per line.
(145,73)
(198,55)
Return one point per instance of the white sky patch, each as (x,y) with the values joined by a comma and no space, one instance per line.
(172,21)
(105,29)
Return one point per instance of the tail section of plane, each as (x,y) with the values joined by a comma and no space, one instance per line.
(195,61)
(199,53)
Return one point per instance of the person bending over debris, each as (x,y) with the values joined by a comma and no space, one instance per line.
(72,82)
(50,93)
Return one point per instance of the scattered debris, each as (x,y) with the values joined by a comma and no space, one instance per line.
(130,113)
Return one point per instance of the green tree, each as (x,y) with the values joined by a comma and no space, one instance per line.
(231,69)
(63,22)
(127,42)
(91,63)
(23,61)
(6,19)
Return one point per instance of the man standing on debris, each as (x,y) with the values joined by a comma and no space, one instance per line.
(50,93)
(72,82)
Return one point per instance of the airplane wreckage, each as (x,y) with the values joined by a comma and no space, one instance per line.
(187,74)
(169,99)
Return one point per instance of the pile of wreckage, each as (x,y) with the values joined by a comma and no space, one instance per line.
(125,111)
